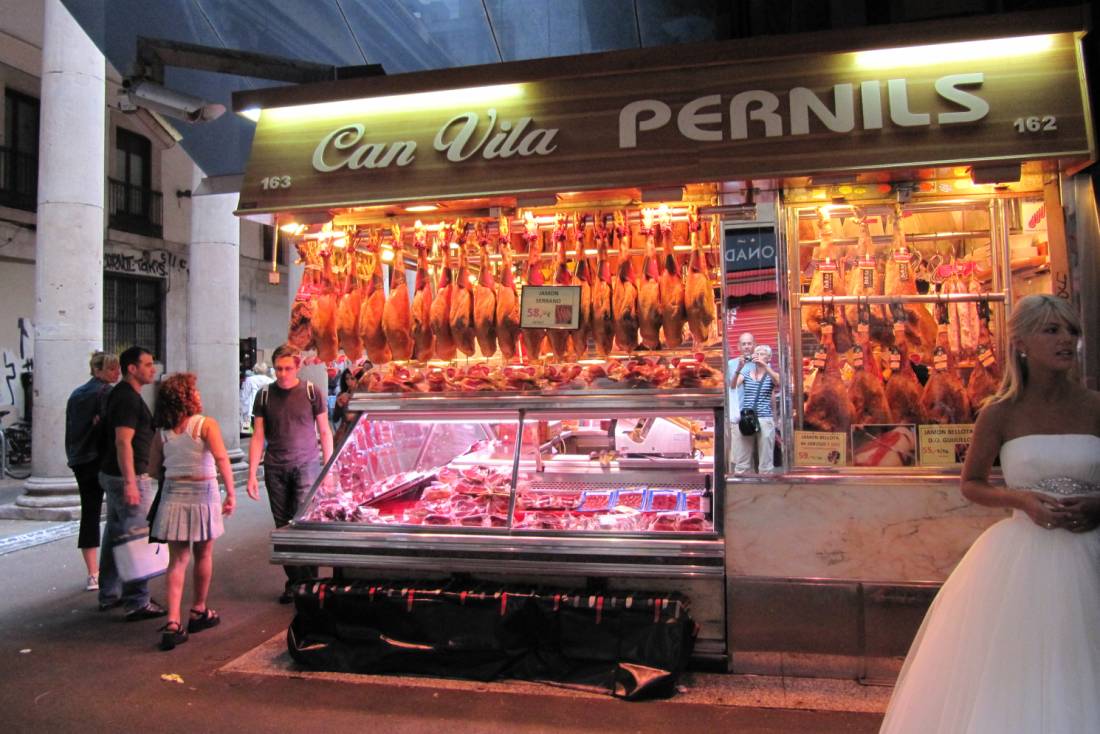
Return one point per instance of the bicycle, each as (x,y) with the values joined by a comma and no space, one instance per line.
(15,448)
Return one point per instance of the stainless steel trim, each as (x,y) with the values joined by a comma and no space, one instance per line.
(430,405)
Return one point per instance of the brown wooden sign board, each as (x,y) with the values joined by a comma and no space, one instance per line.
(781,116)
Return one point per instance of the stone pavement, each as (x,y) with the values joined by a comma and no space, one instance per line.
(64,666)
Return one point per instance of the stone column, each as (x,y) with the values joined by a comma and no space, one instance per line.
(213,323)
(68,313)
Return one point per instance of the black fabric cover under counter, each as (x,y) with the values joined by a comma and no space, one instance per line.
(632,646)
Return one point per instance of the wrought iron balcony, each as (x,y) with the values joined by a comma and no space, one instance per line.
(135,209)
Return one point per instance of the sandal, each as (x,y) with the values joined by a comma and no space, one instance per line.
(170,637)
(203,620)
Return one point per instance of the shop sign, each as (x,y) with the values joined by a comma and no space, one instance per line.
(820,448)
(749,249)
(787,115)
(944,445)
(550,307)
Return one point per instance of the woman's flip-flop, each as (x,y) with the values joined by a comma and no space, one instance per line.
(203,620)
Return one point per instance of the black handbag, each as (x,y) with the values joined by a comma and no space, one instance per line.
(749,423)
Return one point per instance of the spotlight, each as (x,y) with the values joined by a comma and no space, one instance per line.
(152,96)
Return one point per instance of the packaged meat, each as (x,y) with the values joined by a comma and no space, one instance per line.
(664,500)
(600,500)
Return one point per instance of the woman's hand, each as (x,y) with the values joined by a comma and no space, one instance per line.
(1083,513)
(1045,511)
(229,503)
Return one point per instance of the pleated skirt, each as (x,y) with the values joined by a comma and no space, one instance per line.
(189,511)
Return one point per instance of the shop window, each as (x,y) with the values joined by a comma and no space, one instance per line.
(134,205)
(133,314)
(19,152)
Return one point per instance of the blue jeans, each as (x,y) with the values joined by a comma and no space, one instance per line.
(121,520)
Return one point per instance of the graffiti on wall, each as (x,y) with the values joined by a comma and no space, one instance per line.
(156,263)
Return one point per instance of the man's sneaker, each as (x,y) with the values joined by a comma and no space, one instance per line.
(107,605)
(149,611)
(93,583)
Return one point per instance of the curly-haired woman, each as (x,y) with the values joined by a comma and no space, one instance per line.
(188,449)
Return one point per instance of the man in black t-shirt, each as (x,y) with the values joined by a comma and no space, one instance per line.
(290,415)
(128,487)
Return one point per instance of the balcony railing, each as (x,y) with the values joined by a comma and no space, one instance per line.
(18,179)
(135,209)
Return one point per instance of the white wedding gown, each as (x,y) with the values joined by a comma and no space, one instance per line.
(1011,643)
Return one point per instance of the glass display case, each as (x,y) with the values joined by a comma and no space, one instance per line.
(522,483)
(628,471)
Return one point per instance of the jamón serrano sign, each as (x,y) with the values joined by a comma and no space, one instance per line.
(740,119)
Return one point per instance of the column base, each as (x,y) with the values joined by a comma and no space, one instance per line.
(45,498)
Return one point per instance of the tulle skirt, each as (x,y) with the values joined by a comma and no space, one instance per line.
(1012,641)
(188,511)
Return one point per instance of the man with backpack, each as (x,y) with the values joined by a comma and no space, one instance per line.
(289,415)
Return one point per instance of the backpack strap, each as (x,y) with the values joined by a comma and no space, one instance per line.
(263,397)
(196,426)
(310,392)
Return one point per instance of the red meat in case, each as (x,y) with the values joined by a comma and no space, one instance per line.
(632,498)
(692,522)
(664,500)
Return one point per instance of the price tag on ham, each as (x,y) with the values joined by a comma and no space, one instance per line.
(550,307)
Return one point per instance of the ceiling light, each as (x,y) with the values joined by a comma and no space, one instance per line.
(421,208)
(399,103)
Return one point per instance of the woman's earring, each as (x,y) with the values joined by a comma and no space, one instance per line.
(1023,355)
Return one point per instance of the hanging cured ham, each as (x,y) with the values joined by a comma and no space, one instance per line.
(462,305)
(624,293)
(347,311)
(920,327)
(373,305)
(485,304)
(423,339)
(397,316)
(828,408)
(673,311)
(986,375)
(867,390)
(603,317)
(439,315)
(559,338)
(507,298)
(299,334)
(698,296)
(583,279)
(650,314)
(865,279)
(903,390)
(533,337)
(827,280)
(323,322)
(964,327)
(944,398)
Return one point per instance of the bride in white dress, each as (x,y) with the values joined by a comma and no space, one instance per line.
(1011,643)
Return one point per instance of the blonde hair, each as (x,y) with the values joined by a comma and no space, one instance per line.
(102,361)
(1030,315)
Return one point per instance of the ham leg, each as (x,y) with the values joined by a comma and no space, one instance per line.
(533,338)
(624,294)
(370,312)
(347,312)
(828,407)
(507,299)
(485,305)
(423,339)
(673,311)
(323,323)
(698,295)
(650,314)
(397,315)
(439,315)
(462,306)
(603,318)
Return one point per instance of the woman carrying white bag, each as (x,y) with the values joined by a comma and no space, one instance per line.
(188,513)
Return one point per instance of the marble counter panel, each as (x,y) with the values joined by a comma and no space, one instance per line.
(843,530)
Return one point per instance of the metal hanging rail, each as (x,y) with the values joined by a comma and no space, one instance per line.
(919,298)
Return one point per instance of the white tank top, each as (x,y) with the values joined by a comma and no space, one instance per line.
(185,454)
